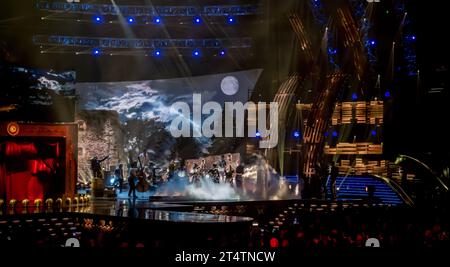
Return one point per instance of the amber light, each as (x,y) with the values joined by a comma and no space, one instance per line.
(13,129)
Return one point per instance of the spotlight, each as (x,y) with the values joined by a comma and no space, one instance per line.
(157,53)
(297,134)
(231,20)
(258,134)
(332,51)
(335,134)
(222,53)
(197,20)
(387,94)
(130,20)
(196,53)
(98,19)
(96,51)
(157,20)
(373,133)
(372,42)
(354,96)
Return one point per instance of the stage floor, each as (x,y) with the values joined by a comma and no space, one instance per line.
(143,209)
(140,209)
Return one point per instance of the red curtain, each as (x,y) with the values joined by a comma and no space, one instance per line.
(19,150)
(24,183)
(2,179)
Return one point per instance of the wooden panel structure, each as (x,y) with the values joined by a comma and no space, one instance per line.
(354,149)
(375,112)
(336,118)
(360,167)
(360,112)
(347,113)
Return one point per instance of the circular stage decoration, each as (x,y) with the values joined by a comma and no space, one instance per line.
(13,128)
(229,85)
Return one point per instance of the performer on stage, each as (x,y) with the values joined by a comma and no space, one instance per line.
(96,166)
(229,174)
(238,178)
(203,169)
(118,172)
(196,170)
(132,183)
(214,174)
(222,167)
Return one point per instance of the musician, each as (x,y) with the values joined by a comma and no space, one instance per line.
(230,159)
(203,167)
(222,166)
(118,172)
(239,174)
(142,185)
(229,174)
(222,162)
(148,175)
(96,166)
(132,183)
(214,174)
(171,169)
(196,174)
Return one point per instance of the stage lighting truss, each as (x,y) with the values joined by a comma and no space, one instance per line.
(142,15)
(140,47)
(159,53)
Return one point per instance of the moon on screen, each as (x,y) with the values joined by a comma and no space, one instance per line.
(229,85)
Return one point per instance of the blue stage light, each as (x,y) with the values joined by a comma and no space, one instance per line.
(196,53)
(157,53)
(96,51)
(297,134)
(258,134)
(326,134)
(231,20)
(157,20)
(130,20)
(98,19)
(335,134)
(373,133)
(222,53)
(197,20)
(373,42)
(332,51)
(354,96)
(387,94)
